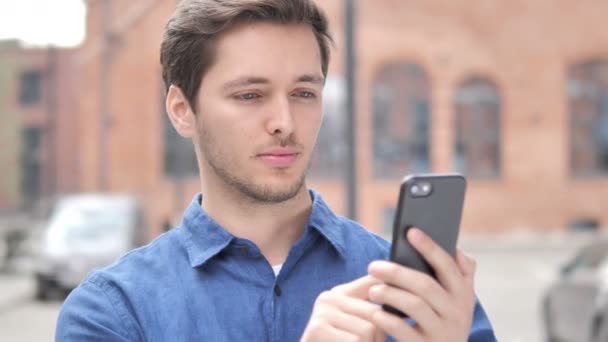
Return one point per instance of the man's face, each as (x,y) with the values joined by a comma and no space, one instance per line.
(259,110)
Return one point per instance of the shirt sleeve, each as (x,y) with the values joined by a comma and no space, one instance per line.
(92,313)
(481,329)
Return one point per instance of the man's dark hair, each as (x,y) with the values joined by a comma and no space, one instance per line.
(188,46)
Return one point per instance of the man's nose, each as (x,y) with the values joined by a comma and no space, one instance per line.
(280,121)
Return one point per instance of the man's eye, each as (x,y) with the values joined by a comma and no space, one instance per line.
(247,96)
(307,94)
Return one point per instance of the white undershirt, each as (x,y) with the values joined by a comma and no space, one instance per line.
(277,269)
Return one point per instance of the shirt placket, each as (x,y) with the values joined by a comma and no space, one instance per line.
(264,272)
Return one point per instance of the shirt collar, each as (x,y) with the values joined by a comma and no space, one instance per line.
(324,221)
(205,238)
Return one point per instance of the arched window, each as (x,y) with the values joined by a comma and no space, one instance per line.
(327,161)
(477,110)
(588,107)
(401,119)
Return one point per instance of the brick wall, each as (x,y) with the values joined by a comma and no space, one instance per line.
(524,47)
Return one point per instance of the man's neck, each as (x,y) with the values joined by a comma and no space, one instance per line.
(273,227)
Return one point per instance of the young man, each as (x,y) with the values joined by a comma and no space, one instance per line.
(258,256)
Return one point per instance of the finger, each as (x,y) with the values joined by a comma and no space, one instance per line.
(354,325)
(358,288)
(323,331)
(339,335)
(380,335)
(466,263)
(328,310)
(396,327)
(361,308)
(418,283)
(445,267)
(415,307)
(357,307)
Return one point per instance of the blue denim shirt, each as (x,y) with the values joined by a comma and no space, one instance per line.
(200,283)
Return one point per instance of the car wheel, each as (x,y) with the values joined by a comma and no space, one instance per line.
(547,321)
(600,330)
(43,288)
(3,252)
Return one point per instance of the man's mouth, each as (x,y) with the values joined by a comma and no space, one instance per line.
(280,157)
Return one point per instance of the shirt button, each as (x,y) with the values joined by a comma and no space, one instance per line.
(277,290)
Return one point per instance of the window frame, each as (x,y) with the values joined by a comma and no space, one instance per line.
(581,81)
(414,90)
(489,140)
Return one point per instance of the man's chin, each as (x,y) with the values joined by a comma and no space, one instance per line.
(274,192)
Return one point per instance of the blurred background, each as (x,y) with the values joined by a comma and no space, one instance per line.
(514,94)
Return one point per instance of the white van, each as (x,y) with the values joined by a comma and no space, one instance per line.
(84,232)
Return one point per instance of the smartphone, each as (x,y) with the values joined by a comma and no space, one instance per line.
(432,203)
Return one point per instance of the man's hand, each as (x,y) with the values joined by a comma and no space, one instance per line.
(442,310)
(344,314)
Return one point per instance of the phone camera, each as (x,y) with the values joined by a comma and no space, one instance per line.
(421,189)
(415,189)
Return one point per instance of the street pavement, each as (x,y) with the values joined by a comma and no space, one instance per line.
(512,276)
(21,317)
(512,273)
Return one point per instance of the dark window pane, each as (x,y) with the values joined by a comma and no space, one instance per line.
(587,91)
(30,87)
(477,110)
(31,165)
(401,119)
(327,162)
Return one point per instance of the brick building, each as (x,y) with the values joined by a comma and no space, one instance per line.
(512,93)
(38,108)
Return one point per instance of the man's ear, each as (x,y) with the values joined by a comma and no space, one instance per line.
(180,113)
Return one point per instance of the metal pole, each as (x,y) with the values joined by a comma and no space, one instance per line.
(351,115)
(104,94)
(52,163)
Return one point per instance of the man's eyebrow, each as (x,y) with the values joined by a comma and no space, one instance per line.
(249,80)
(310,78)
(245,81)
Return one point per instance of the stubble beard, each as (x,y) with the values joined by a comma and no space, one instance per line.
(224,169)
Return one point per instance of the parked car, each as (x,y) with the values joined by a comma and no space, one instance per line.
(575,307)
(84,232)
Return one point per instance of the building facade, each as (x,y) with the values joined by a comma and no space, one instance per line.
(514,94)
(38,139)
